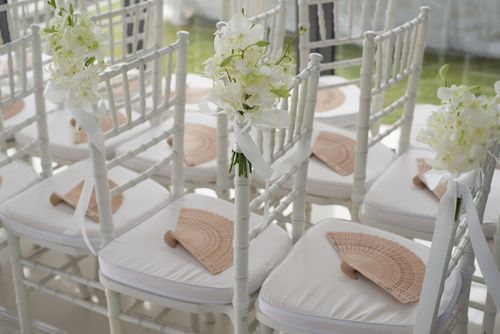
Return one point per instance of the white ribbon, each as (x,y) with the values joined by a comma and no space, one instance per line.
(482,252)
(87,116)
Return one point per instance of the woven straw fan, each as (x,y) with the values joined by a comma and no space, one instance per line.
(199,144)
(12,109)
(336,151)
(420,180)
(106,125)
(386,263)
(329,99)
(207,236)
(71,198)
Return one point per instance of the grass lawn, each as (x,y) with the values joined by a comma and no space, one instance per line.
(482,72)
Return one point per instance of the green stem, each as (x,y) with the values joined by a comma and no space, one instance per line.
(244,166)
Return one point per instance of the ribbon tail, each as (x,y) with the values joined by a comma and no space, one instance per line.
(482,252)
(78,219)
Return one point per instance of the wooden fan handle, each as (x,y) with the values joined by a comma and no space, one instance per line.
(170,239)
(348,270)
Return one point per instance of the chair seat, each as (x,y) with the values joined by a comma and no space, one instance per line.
(61,138)
(393,200)
(205,173)
(309,292)
(152,266)
(16,177)
(323,181)
(49,223)
(28,111)
(346,113)
(420,115)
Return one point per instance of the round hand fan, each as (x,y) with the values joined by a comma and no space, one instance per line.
(12,109)
(329,99)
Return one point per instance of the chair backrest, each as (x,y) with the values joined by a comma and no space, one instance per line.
(128,32)
(20,14)
(273,22)
(400,49)
(164,62)
(293,145)
(349,20)
(17,88)
(451,251)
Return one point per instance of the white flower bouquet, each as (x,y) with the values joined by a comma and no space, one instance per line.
(248,80)
(73,43)
(463,129)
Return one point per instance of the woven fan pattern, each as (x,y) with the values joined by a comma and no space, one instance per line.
(12,109)
(207,236)
(329,99)
(199,144)
(106,125)
(336,151)
(394,268)
(421,181)
(71,198)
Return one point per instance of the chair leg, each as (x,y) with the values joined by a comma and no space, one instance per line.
(113,300)
(308,214)
(83,289)
(209,318)
(265,330)
(194,322)
(18,277)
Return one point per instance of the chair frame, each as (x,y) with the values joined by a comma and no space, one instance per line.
(407,65)
(304,86)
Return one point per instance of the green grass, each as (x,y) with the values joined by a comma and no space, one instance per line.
(479,71)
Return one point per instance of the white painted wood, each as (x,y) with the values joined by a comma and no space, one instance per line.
(373,85)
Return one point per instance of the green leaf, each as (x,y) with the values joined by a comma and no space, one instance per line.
(226,61)
(50,30)
(475,89)
(262,44)
(71,8)
(89,61)
(281,92)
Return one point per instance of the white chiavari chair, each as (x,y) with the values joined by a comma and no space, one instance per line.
(16,174)
(328,187)
(213,174)
(321,299)
(119,47)
(53,225)
(338,98)
(171,277)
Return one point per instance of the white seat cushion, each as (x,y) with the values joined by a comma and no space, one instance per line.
(394,200)
(16,176)
(141,259)
(29,110)
(61,138)
(46,222)
(309,292)
(325,182)
(346,113)
(420,115)
(204,173)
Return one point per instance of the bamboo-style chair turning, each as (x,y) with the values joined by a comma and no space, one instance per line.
(321,299)
(327,186)
(52,224)
(146,20)
(214,173)
(338,97)
(173,278)
(16,174)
